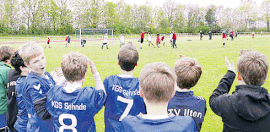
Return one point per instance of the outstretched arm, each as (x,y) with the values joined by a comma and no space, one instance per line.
(219,96)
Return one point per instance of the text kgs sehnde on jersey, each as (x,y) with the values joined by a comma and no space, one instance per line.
(119,89)
(67,106)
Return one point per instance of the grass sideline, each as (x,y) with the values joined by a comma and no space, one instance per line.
(210,56)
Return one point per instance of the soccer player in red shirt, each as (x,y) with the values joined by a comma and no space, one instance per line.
(224,38)
(162,39)
(232,34)
(158,41)
(48,43)
(142,37)
(174,40)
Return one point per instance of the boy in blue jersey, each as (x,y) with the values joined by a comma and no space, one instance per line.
(123,90)
(73,107)
(5,55)
(184,103)
(157,87)
(21,115)
(35,87)
(13,75)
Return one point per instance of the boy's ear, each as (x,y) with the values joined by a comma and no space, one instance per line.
(239,76)
(141,93)
(180,56)
(26,64)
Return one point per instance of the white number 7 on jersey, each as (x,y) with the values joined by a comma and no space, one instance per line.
(129,106)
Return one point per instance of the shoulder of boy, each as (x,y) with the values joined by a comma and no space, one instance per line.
(185,120)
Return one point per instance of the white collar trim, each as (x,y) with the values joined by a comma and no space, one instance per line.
(125,76)
(71,87)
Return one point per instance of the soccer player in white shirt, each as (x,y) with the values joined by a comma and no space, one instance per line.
(122,40)
(105,41)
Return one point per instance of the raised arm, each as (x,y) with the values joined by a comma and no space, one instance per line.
(220,94)
(98,81)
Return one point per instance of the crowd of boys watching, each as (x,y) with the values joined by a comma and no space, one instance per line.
(33,100)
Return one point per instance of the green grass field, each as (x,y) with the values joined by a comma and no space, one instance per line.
(210,56)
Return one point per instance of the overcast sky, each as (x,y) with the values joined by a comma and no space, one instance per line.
(225,3)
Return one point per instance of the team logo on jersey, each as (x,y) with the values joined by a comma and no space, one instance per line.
(37,87)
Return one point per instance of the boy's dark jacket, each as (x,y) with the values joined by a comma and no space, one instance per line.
(246,110)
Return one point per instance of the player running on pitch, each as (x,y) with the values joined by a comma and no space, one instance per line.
(149,40)
(224,38)
(201,35)
(231,35)
(142,37)
(210,37)
(48,43)
(162,39)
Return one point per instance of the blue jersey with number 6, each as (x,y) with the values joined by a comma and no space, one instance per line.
(123,98)
(75,111)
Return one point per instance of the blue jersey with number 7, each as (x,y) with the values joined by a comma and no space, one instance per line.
(74,111)
(123,98)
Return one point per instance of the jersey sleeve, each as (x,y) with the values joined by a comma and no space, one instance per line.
(97,99)
(34,91)
(105,82)
(219,100)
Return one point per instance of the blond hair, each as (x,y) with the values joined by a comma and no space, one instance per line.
(188,72)
(253,67)
(157,82)
(6,52)
(30,50)
(74,66)
(128,56)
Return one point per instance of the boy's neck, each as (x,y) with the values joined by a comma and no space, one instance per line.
(126,73)
(156,109)
(182,89)
(24,73)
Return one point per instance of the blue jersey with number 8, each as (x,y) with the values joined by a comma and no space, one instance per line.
(123,98)
(74,111)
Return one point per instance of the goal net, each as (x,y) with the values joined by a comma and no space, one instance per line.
(92,34)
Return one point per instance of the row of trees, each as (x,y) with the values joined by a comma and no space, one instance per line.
(64,16)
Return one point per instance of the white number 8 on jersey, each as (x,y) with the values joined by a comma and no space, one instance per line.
(69,127)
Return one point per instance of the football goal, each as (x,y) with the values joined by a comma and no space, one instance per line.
(92,34)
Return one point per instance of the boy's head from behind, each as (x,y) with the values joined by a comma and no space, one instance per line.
(128,56)
(253,67)
(33,57)
(5,53)
(157,83)
(188,72)
(16,61)
(74,66)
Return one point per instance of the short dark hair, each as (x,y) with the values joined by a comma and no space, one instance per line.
(16,61)
(128,56)
(6,52)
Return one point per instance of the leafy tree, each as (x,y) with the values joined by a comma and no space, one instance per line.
(210,17)
(266,12)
